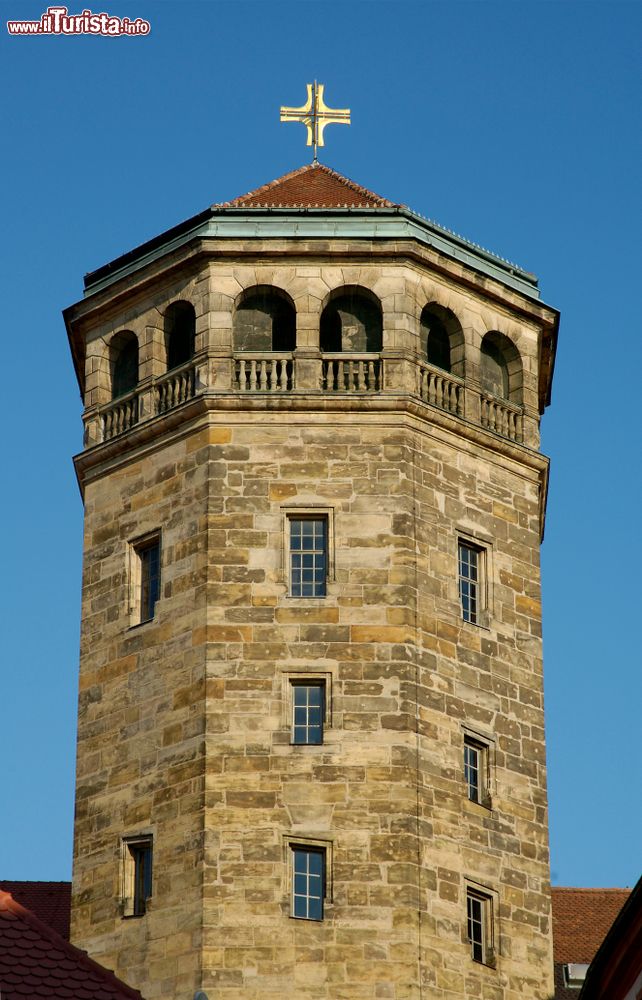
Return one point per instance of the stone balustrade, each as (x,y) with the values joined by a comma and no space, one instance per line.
(175,388)
(268,372)
(263,373)
(440,388)
(351,373)
(502,417)
(162,395)
(120,415)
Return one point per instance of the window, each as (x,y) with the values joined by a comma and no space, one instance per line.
(476,770)
(308,882)
(149,555)
(473,770)
(306,707)
(145,578)
(308,556)
(480,926)
(574,975)
(137,875)
(472,582)
(308,712)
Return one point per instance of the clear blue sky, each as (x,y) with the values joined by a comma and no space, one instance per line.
(515,124)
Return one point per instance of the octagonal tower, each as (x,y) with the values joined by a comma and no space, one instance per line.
(311,734)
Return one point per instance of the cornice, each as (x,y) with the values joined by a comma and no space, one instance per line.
(146,438)
(316,224)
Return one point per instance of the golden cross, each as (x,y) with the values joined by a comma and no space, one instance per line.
(315,115)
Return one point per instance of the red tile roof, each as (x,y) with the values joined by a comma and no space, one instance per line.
(618,963)
(581,920)
(49,901)
(36,963)
(311,186)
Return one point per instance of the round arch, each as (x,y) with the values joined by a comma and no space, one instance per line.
(500,369)
(351,320)
(264,320)
(123,363)
(442,338)
(180,333)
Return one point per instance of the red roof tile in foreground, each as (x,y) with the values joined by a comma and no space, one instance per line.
(581,920)
(49,901)
(36,963)
(311,186)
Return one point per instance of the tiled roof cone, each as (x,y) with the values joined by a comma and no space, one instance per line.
(311,186)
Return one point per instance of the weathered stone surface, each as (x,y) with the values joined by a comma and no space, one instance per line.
(184,720)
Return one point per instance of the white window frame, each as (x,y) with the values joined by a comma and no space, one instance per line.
(315,845)
(483,548)
(487,900)
(306,673)
(484,743)
(320,680)
(308,513)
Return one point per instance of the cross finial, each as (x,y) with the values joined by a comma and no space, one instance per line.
(315,115)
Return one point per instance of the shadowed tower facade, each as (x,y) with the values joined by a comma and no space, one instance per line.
(311,752)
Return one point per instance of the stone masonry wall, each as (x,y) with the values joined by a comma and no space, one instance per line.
(141,764)
(184,721)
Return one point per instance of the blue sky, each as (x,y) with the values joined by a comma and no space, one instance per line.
(515,124)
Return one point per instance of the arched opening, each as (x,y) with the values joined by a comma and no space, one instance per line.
(438,345)
(351,321)
(442,339)
(494,371)
(265,320)
(500,367)
(123,358)
(180,334)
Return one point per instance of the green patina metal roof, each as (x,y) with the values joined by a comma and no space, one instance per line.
(347,211)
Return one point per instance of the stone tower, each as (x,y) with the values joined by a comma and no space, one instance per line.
(311,753)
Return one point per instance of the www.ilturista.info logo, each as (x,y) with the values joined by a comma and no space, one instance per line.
(58,21)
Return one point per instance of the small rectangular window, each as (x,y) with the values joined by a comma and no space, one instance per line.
(145,578)
(308,882)
(308,712)
(149,555)
(308,556)
(472,583)
(480,926)
(574,975)
(476,770)
(473,769)
(137,875)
